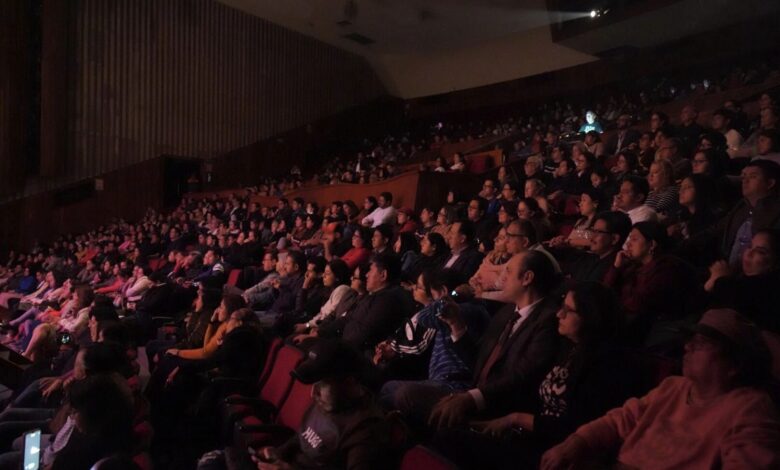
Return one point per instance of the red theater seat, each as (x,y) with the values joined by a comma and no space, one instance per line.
(423,458)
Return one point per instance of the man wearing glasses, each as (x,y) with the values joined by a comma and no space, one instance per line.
(607,235)
(631,200)
(489,193)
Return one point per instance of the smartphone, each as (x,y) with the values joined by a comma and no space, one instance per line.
(32,450)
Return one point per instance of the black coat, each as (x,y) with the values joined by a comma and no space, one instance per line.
(375,317)
(467,263)
(514,379)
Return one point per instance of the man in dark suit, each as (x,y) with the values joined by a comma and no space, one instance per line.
(465,258)
(288,288)
(485,226)
(624,136)
(378,314)
(515,352)
(607,236)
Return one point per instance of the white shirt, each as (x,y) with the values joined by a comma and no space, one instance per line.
(642,214)
(523,313)
(775,157)
(454,257)
(138,289)
(380,216)
(333,301)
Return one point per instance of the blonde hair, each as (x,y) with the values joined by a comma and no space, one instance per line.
(667,171)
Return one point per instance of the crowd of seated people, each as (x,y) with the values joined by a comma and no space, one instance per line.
(513,328)
(537,130)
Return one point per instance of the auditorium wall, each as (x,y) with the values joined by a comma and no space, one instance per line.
(125,81)
(187,77)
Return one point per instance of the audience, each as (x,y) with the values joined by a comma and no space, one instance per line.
(509,360)
(579,387)
(715,415)
(456,303)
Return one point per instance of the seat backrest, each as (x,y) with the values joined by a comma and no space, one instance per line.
(422,457)
(232,279)
(143,461)
(277,386)
(270,359)
(772,341)
(295,406)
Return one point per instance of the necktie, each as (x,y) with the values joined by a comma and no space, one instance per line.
(497,350)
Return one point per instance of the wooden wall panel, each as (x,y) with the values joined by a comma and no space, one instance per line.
(14,95)
(143,78)
(127,193)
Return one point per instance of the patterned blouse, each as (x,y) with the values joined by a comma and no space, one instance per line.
(552,390)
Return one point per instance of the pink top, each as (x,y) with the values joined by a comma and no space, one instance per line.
(489,275)
(356,256)
(663,431)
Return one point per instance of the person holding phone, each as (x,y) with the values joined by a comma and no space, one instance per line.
(429,331)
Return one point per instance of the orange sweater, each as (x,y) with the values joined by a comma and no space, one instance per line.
(662,431)
(211,341)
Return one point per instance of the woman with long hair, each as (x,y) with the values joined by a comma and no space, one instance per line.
(337,278)
(361,248)
(407,249)
(652,285)
(434,251)
(488,276)
(753,291)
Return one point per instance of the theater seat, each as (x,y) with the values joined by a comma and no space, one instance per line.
(232,279)
(144,461)
(273,392)
(155,263)
(571,206)
(143,433)
(255,432)
(421,457)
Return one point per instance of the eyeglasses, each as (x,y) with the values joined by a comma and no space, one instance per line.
(601,232)
(699,161)
(508,234)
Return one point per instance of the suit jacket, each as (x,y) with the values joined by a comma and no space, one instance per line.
(514,379)
(631,136)
(290,296)
(374,318)
(467,263)
(590,267)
